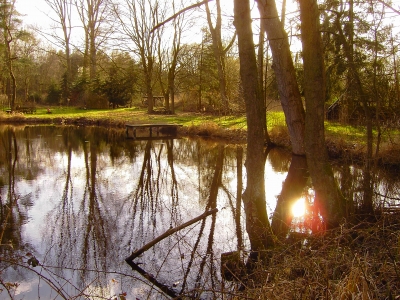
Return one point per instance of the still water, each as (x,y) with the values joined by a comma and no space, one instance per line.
(80,200)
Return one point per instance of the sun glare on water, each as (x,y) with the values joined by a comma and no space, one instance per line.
(299,208)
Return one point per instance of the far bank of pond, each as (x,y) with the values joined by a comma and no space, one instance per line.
(76,201)
(344,143)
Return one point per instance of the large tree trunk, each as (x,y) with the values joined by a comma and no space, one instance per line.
(257,223)
(285,74)
(328,198)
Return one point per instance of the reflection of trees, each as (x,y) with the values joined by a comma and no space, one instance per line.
(209,255)
(79,238)
(64,233)
(10,215)
(94,239)
(163,193)
(236,207)
(200,268)
(145,205)
(292,189)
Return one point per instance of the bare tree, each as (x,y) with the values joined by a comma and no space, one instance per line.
(328,198)
(93,15)
(285,74)
(170,58)
(136,19)
(219,51)
(257,223)
(63,11)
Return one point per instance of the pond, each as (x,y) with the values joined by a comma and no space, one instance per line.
(77,201)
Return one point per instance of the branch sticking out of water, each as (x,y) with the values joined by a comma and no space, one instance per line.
(167,234)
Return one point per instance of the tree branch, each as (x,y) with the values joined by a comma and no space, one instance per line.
(180,12)
(167,234)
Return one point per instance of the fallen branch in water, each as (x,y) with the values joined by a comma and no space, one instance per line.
(154,281)
(167,234)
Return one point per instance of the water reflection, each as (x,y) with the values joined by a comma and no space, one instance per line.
(82,199)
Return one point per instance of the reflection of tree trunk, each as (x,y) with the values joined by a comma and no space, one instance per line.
(7,208)
(257,223)
(236,209)
(174,183)
(346,186)
(95,241)
(66,220)
(212,204)
(239,168)
(368,190)
(292,189)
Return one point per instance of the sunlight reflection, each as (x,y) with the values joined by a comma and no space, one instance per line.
(299,208)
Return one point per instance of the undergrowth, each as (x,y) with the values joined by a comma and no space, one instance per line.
(351,262)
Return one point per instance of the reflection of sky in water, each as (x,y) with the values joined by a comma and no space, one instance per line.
(57,231)
(48,231)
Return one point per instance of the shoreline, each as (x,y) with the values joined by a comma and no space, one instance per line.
(338,150)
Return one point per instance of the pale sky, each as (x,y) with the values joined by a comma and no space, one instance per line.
(33,11)
(37,12)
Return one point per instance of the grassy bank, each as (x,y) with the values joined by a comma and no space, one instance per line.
(344,142)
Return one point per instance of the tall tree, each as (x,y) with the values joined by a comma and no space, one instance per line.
(289,92)
(63,11)
(93,15)
(257,223)
(170,58)
(328,198)
(219,51)
(8,23)
(137,18)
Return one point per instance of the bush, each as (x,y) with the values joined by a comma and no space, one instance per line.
(54,94)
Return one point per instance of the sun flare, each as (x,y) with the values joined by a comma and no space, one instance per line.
(299,208)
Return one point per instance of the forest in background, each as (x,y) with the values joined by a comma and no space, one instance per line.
(125,55)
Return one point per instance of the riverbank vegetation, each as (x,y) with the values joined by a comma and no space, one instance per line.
(344,141)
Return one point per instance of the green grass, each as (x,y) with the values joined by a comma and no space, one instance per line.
(275,119)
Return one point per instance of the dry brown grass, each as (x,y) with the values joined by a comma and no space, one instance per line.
(213,130)
(352,262)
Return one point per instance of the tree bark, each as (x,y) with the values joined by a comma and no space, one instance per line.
(285,74)
(219,53)
(257,223)
(328,198)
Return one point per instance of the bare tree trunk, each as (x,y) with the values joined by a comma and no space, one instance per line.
(257,223)
(92,14)
(260,59)
(63,10)
(328,198)
(219,53)
(285,74)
